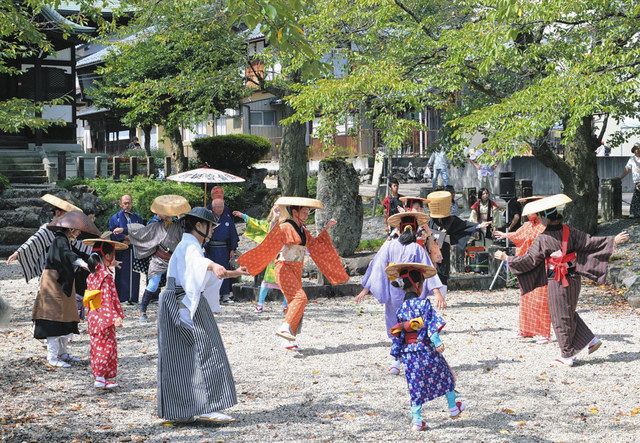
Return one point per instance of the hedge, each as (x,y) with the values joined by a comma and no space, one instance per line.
(143,190)
(234,153)
(4,183)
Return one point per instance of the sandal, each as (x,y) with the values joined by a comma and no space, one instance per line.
(259,309)
(460,407)
(594,345)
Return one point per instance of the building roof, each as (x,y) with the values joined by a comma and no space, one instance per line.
(90,110)
(64,24)
(255,34)
(97,57)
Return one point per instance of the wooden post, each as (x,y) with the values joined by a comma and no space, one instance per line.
(116,168)
(133,166)
(167,166)
(98,166)
(80,166)
(150,167)
(62,165)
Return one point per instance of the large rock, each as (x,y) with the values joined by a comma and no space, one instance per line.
(338,185)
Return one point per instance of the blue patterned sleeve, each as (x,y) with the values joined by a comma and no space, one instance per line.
(432,321)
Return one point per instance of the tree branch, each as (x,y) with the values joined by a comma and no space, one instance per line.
(415,18)
(603,129)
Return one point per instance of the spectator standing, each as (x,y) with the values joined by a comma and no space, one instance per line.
(127,281)
(224,243)
(633,166)
(439,163)
(391,202)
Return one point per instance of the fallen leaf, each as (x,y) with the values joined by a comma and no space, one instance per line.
(508,411)
(594,410)
(635,411)
(521,423)
(504,431)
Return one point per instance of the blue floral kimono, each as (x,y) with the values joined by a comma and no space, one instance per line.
(428,374)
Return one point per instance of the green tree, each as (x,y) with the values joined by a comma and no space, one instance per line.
(180,66)
(23,27)
(511,69)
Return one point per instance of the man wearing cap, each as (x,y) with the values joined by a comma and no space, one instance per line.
(32,254)
(127,281)
(448,230)
(224,242)
(194,376)
(558,257)
(633,166)
(158,240)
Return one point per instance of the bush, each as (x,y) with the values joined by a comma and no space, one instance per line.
(312,186)
(4,183)
(233,153)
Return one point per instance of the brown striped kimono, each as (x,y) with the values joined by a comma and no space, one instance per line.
(592,256)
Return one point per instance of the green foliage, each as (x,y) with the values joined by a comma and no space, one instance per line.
(4,183)
(312,186)
(234,153)
(370,245)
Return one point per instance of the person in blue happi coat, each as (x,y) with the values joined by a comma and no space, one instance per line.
(127,281)
(224,242)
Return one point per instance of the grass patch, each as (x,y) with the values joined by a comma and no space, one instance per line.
(370,245)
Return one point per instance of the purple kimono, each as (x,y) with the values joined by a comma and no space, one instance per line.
(376,281)
(428,373)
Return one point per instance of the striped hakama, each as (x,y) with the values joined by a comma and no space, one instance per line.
(194,376)
(592,255)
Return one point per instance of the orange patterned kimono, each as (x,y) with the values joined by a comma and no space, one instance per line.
(535,318)
(289,272)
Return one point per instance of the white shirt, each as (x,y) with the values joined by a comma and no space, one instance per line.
(633,165)
(188,266)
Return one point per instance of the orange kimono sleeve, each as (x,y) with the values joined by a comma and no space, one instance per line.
(326,257)
(257,259)
(519,236)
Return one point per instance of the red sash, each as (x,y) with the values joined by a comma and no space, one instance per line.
(560,264)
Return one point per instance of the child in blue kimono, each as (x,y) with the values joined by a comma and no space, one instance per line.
(417,343)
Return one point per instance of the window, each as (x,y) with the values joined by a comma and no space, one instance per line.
(263,118)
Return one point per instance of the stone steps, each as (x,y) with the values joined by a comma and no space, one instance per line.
(22,167)
(11,235)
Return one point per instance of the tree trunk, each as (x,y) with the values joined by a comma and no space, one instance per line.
(147,140)
(578,172)
(293,158)
(178,149)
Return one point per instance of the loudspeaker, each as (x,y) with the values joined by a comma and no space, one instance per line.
(527,192)
(507,184)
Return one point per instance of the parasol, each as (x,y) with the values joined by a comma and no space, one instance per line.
(206,176)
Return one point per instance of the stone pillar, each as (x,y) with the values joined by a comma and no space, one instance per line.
(133,166)
(80,166)
(611,198)
(62,165)
(167,166)
(101,166)
(150,167)
(116,168)
(338,184)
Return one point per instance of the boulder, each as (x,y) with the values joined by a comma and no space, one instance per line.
(11,235)
(338,189)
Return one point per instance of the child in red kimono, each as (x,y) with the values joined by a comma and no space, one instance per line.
(104,312)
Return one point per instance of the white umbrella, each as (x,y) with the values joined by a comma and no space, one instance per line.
(206,176)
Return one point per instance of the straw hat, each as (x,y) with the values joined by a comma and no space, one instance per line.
(439,204)
(393,270)
(75,220)
(529,199)
(170,205)
(396,219)
(60,203)
(118,246)
(300,201)
(545,203)
(409,200)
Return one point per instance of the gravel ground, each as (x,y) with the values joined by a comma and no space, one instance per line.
(337,388)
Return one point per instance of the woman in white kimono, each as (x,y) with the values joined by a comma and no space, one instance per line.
(194,376)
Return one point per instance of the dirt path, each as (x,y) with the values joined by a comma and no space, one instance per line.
(337,388)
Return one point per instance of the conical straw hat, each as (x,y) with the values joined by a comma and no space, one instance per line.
(75,220)
(420,217)
(439,204)
(545,203)
(170,205)
(530,199)
(393,270)
(116,244)
(300,201)
(60,203)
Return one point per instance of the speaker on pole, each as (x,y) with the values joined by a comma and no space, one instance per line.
(507,184)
